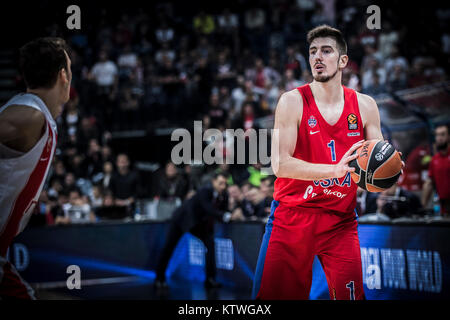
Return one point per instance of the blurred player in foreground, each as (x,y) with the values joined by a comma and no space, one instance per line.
(28,136)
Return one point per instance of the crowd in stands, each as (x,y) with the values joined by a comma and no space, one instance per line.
(158,67)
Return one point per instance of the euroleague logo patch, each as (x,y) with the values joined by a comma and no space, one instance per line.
(352,120)
(312,121)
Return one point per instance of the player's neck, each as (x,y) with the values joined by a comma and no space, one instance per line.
(50,99)
(329,92)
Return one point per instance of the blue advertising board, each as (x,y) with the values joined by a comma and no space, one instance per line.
(398,261)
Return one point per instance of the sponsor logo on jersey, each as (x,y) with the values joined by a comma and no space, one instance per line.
(353,134)
(352,120)
(312,121)
(346,181)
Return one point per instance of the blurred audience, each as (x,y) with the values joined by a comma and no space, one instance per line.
(227,67)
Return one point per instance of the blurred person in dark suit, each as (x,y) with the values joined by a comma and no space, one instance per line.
(397,202)
(196,215)
(366,202)
(124,183)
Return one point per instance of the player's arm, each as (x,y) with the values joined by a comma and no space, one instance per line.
(370,117)
(288,115)
(428,186)
(21,127)
(427,191)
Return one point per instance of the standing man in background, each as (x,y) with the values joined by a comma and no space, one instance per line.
(197,215)
(439,172)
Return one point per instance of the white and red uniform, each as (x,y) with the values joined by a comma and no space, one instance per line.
(22,177)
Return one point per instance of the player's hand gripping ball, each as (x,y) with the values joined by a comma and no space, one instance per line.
(377,167)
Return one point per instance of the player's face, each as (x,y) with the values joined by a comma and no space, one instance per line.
(324,59)
(441,136)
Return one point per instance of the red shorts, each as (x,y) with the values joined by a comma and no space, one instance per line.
(293,237)
(12,286)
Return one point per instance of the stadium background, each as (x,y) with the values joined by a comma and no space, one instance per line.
(173,67)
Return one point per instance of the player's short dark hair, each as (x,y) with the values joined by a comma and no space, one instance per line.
(41,60)
(325,31)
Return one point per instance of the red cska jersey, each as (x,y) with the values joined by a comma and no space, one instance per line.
(320,142)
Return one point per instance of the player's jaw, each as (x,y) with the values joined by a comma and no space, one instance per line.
(320,72)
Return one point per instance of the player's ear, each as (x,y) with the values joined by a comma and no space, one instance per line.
(64,77)
(343,60)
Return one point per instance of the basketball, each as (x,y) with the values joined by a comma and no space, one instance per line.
(378,166)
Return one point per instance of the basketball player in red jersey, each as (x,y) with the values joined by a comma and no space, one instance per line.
(317,128)
(28,134)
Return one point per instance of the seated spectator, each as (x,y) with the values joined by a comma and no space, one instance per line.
(224,69)
(165,53)
(228,28)
(439,171)
(129,108)
(266,188)
(77,210)
(124,183)
(247,118)
(272,96)
(204,23)
(59,170)
(127,62)
(376,87)
(104,177)
(105,74)
(319,16)
(216,114)
(238,96)
(255,174)
(373,73)
(69,181)
(170,184)
(108,198)
(397,79)
(289,81)
(96,196)
(253,205)
(235,201)
(365,202)
(295,61)
(71,113)
(93,161)
(255,19)
(227,22)
(244,205)
(397,202)
(164,33)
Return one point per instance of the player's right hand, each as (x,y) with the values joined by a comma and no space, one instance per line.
(342,167)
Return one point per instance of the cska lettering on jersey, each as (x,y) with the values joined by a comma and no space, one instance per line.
(328,183)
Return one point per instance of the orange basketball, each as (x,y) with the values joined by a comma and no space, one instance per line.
(378,166)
